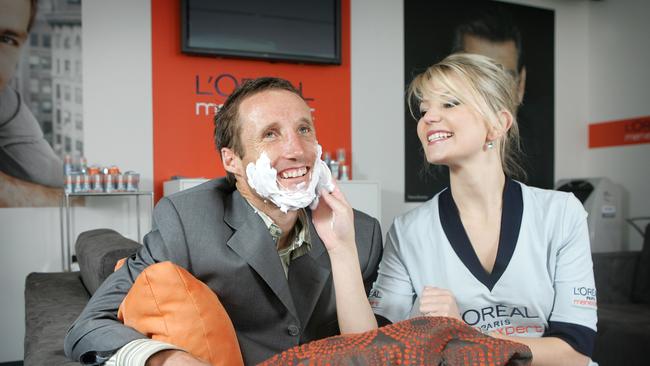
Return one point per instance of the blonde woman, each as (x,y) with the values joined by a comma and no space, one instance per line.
(511,260)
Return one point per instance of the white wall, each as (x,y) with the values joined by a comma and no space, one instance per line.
(597,45)
(117,84)
(118,130)
(377,77)
(619,61)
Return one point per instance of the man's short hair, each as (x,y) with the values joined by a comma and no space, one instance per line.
(33,7)
(227,128)
(494,24)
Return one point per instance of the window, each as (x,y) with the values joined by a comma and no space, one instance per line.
(77,66)
(58,119)
(46,62)
(78,121)
(58,66)
(33,86)
(66,93)
(47,40)
(46,88)
(66,43)
(46,106)
(67,118)
(66,67)
(77,95)
(58,91)
(46,126)
(34,61)
(33,39)
(57,138)
(80,147)
(68,144)
(77,41)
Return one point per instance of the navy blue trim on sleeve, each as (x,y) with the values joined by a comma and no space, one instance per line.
(579,337)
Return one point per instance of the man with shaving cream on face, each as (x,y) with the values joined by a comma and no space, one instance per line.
(275,240)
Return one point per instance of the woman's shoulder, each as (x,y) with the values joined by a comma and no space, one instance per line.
(550,202)
(427,212)
(545,197)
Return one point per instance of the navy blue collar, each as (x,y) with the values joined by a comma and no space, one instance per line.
(511,214)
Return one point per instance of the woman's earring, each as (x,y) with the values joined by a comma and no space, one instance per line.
(490,144)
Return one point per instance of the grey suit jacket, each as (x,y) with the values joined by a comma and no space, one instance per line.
(214,233)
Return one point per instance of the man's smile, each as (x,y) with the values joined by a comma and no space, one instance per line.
(293,172)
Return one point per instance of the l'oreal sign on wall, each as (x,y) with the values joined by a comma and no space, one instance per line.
(618,133)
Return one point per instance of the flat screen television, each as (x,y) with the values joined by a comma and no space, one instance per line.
(281,30)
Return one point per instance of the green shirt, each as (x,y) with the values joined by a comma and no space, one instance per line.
(300,240)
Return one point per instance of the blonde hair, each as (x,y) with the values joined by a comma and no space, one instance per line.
(483,85)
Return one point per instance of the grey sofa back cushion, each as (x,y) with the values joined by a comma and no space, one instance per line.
(614,273)
(98,251)
(641,291)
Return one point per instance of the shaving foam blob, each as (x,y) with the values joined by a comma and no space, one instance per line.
(262,177)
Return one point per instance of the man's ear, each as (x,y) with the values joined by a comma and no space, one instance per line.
(231,162)
(505,122)
(521,85)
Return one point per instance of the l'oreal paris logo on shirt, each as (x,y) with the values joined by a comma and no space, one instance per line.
(475,316)
(505,319)
(584,297)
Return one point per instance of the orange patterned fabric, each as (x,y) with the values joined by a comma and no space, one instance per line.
(418,341)
(168,304)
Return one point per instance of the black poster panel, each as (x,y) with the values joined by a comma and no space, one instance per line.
(429,28)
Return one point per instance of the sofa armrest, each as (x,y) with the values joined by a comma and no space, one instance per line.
(98,251)
(615,275)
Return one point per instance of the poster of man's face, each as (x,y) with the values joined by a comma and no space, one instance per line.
(41,114)
(521,38)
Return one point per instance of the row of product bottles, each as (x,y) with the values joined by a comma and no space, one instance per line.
(81,178)
(339,169)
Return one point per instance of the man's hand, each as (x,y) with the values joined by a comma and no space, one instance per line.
(436,301)
(174,357)
(334,221)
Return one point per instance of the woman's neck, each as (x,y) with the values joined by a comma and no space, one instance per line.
(477,189)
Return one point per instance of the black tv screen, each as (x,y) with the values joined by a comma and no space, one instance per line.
(286,30)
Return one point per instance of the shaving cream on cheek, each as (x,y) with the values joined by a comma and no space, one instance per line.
(262,177)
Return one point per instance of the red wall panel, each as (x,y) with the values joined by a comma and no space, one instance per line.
(186,89)
(620,133)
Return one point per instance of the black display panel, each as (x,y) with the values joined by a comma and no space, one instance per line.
(288,30)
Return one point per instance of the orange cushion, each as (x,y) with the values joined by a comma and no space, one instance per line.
(168,304)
